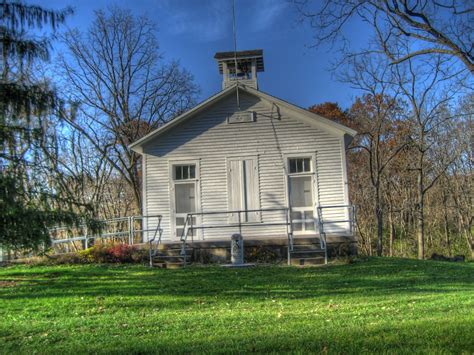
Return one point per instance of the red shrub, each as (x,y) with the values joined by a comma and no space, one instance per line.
(121,253)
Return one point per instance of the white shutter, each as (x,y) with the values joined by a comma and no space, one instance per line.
(243,192)
(252,192)
(234,188)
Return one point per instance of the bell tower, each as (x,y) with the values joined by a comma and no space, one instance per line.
(241,67)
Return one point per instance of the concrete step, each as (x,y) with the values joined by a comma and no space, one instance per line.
(169,265)
(309,250)
(307,246)
(307,253)
(174,252)
(169,258)
(307,261)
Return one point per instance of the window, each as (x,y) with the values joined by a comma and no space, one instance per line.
(184,172)
(185,198)
(185,202)
(300,187)
(300,165)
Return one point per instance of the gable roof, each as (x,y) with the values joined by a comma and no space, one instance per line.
(305,115)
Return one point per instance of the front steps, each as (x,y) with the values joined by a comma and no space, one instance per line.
(306,253)
(171,258)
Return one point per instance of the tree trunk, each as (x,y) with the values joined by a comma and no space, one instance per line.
(392,232)
(446,223)
(379,217)
(421,235)
(421,224)
(369,239)
(379,214)
(421,202)
(470,242)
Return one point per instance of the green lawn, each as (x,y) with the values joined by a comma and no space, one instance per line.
(378,305)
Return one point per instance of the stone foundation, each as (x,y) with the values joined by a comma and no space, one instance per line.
(261,250)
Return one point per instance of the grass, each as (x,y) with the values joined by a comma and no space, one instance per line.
(377,305)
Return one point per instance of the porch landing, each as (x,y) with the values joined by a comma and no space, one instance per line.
(280,240)
(259,249)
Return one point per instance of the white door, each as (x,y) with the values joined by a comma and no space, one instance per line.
(184,185)
(301,195)
(243,192)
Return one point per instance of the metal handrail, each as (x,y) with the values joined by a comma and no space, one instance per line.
(152,252)
(352,212)
(289,232)
(188,225)
(128,230)
(321,222)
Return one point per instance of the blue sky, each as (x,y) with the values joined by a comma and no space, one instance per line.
(193,30)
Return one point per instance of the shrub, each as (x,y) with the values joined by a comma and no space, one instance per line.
(140,256)
(69,258)
(121,253)
(95,254)
(59,259)
(98,253)
(261,254)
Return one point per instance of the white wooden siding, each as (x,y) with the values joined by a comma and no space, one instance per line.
(270,138)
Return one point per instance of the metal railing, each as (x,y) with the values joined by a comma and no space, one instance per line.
(125,229)
(189,226)
(349,213)
(154,243)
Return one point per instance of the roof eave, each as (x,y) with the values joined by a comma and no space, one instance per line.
(323,120)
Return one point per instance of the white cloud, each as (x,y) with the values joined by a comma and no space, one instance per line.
(266,13)
(211,20)
(206,20)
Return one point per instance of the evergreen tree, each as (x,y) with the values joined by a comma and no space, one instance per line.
(28,204)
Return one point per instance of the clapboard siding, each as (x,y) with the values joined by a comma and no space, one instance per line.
(209,138)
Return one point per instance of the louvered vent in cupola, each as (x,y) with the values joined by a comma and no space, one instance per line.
(240,67)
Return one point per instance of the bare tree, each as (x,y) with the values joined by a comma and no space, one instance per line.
(378,114)
(123,86)
(458,179)
(77,171)
(430,92)
(403,29)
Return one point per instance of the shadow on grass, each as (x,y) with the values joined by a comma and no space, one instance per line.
(374,277)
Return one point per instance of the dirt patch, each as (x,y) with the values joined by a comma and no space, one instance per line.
(5,283)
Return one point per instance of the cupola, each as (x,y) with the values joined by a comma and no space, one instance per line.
(249,63)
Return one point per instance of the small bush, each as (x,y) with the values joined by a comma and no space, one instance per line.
(115,253)
(140,255)
(98,253)
(121,253)
(69,258)
(95,254)
(261,254)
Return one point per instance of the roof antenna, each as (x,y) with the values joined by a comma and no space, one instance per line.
(235,51)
